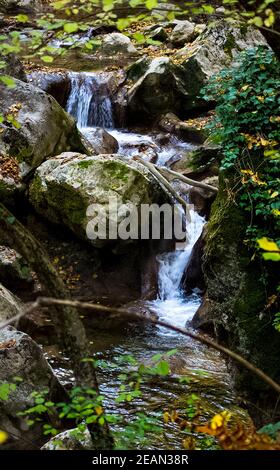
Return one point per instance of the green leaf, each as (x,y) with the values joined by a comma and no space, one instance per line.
(271,256)
(47,58)
(22,18)
(123,23)
(150,4)
(71,27)
(162,368)
(8,81)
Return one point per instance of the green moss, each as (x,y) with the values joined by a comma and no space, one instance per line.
(85,164)
(116,170)
(230,44)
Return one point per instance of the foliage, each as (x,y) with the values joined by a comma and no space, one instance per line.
(247,124)
(235,435)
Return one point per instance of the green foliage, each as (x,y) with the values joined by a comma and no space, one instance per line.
(273,430)
(247,125)
(5,390)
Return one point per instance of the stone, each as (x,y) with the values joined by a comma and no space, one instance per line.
(193,275)
(202,199)
(41,129)
(72,439)
(21,5)
(21,357)
(102,141)
(56,84)
(183,33)
(13,67)
(117,43)
(155,92)
(215,49)
(65,186)
(10,305)
(14,270)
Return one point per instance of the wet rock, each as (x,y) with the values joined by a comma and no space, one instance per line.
(14,271)
(72,439)
(10,305)
(56,84)
(21,357)
(42,129)
(202,159)
(203,319)
(183,33)
(117,43)
(216,48)
(102,141)
(65,186)
(193,275)
(158,33)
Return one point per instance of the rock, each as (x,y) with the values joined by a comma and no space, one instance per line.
(183,33)
(10,305)
(21,357)
(21,5)
(202,199)
(212,51)
(14,271)
(65,186)
(235,292)
(41,129)
(13,67)
(117,43)
(193,275)
(72,439)
(56,84)
(159,34)
(203,159)
(202,319)
(184,130)
(101,141)
(148,97)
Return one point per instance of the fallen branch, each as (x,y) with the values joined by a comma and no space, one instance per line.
(133,316)
(163,181)
(173,175)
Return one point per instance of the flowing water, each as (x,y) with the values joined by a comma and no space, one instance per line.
(206,369)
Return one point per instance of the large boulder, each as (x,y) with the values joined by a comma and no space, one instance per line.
(155,92)
(25,370)
(35,128)
(215,49)
(10,305)
(65,186)
(101,141)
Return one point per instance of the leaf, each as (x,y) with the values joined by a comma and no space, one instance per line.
(163,368)
(47,58)
(257,21)
(22,18)
(123,23)
(268,245)
(8,81)
(271,256)
(150,4)
(3,437)
(71,27)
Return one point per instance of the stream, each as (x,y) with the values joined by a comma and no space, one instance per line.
(209,380)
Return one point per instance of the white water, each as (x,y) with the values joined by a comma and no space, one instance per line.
(89,100)
(90,104)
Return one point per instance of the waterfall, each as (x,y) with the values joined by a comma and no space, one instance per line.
(172,304)
(89,100)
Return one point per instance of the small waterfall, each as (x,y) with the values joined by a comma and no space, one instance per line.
(89,100)
(172,305)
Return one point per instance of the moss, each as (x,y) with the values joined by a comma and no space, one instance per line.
(230,44)
(85,164)
(116,170)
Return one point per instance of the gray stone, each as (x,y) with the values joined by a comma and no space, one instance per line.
(117,43)
(183,33)
(13,269)
(10,305)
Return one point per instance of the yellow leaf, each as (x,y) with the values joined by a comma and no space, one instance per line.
(245,87)
(3,437)
(268,245)
(274,194)
(99,410)
(166,417)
